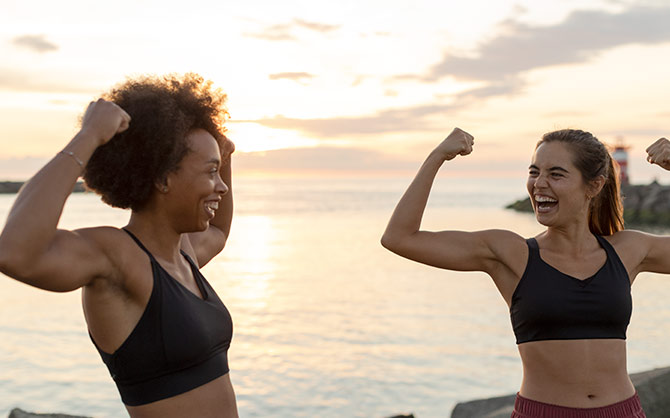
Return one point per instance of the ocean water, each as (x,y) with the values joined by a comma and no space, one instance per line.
(327,322)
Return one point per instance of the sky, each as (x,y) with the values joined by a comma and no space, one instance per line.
(350,87)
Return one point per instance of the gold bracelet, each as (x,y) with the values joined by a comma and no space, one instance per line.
(71,154)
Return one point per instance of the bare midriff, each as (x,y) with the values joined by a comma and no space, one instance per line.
(575,373)
(215,399)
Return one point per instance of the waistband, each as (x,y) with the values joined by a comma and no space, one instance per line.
(527,408)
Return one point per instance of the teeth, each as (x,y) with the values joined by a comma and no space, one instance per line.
(543,199)
(212,206)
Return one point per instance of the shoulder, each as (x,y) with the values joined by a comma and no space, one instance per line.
(639,251)
(508,248)
(100,233)
(110,240)
(503,240)
(126,259)
(629,240)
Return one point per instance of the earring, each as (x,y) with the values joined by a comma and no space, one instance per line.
(165,189)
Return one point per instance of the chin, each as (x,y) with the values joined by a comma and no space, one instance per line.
(543,220)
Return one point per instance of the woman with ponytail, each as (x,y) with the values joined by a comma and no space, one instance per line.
(568,288)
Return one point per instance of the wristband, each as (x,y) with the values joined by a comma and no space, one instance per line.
(71,154)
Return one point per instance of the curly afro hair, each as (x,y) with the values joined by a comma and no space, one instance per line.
(163,111)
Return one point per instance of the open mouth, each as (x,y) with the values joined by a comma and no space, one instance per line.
(545,203)
(211,207)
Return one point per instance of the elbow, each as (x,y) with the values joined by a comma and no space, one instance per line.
(3,265)
(13,262)
(9,263)
(389,241)
(398,241)
(5,257)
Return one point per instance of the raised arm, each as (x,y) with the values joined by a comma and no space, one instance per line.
(453,250)
(207,244)
(32,249)
(655,248)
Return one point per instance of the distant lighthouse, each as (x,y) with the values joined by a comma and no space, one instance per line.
(620,155)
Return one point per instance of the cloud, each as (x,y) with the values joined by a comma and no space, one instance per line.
(279,32)
(361,160)
(284,31)
(297,76)
(498,66)
(580,37)
(318,27)
(652,133)
(393,120)
(35,43)
(505,87)
(321,159)
(567,114)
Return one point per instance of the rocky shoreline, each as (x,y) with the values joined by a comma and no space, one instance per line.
(11,187)
(644,205)
(19,413)
(653,387)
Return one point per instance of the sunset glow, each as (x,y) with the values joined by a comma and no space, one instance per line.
(381,78)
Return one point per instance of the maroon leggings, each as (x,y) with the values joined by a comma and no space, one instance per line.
(526,408)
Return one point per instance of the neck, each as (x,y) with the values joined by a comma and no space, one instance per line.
(571,239)
(156,234)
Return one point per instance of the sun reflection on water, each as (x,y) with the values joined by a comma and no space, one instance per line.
(247,266)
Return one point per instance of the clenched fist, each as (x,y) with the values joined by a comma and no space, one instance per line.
(458,142)
(103,120)
(227,148)
(659,153)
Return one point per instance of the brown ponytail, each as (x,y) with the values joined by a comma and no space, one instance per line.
(593,160)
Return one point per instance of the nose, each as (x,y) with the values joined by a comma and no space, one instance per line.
(221,187)
(540,181)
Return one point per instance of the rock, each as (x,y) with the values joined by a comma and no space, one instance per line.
(644,205)
(19,413)
(653,387)
(499,407)
(9,187)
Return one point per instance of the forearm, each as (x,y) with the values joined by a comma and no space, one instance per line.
(33,219)
(224,215)
(407,216)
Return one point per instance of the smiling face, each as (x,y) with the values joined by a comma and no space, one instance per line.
(556,187)
(196,186)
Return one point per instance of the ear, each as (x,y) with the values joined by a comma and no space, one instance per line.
(163,185)
(595,186)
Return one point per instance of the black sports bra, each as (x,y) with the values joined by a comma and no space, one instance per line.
(180,342)
(550,305)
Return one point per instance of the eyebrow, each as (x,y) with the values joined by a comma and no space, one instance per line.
(214,161)
(555,168)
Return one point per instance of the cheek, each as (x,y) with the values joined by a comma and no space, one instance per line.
(530,184)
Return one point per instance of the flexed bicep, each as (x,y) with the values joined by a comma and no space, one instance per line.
(71,260)
(458,250)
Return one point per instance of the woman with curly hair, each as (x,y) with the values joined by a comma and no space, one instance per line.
(568,289)
(155,146)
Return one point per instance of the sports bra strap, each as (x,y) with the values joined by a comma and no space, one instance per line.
(533,248)
(606,246)
(139,243)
